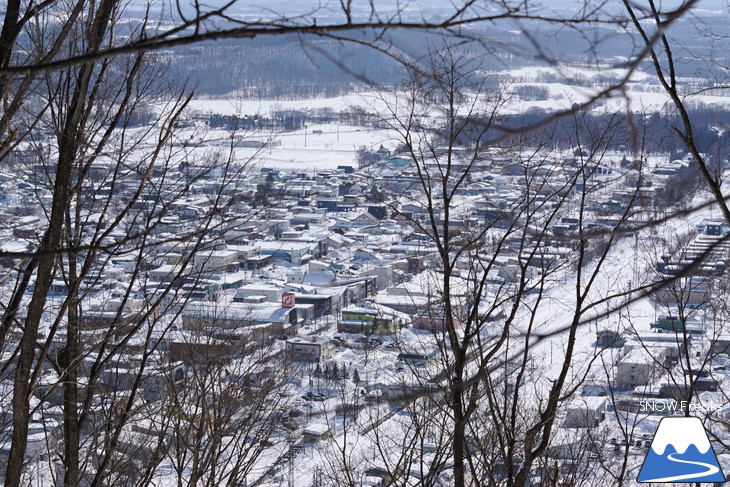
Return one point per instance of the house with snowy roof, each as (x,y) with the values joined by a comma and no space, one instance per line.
(364,219)
(319,278)
(370,320)
(267,319)
(308,349)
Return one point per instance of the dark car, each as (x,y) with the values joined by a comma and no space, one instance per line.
(310,396)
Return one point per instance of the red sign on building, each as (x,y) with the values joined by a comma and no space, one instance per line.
(287,300)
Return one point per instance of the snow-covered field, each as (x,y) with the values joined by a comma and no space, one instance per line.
(326,146)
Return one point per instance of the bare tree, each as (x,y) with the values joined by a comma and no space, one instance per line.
(111,187)
(491,301)
(651,22)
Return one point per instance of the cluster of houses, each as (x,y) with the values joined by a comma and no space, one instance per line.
(684,351)
(312,255)
(333,250)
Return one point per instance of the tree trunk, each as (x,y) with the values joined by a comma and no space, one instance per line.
(70,357)
(47,254)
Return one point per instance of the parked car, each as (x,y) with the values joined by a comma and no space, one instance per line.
(310,396)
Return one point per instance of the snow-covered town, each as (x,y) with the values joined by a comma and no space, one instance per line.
(472,266)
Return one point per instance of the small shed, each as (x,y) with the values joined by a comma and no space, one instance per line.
(316,432)
(586,412)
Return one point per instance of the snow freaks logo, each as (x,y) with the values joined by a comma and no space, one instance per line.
(680,452)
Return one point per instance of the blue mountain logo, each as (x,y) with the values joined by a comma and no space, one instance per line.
(680,452)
